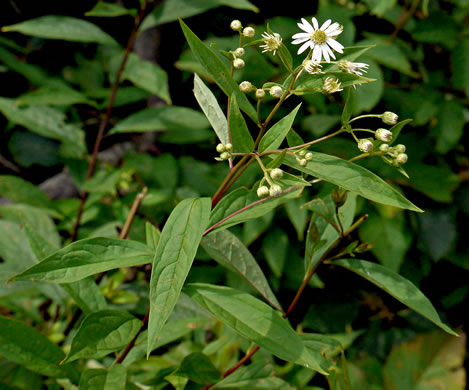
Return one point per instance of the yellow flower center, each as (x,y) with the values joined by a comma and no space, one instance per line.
(318,37)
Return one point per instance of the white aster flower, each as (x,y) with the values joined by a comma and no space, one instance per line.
(320,40)
(313,67)
(331,85)
(355,68)
(272,42)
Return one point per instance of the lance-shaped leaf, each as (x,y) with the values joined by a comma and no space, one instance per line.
(241,138)
(113,378)
(64,28)
(152,235)
(229,251)
(353,178)
(87,257)
(395,130)
(209,105)
(217,69)
(199,369)
(258,322)
(176,250)
(102,333)
(277,133)
(397,286)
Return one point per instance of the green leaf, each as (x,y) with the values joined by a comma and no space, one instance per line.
(450,127)
(113,378)
(230,252)
(209,105)
(168,118)
(256,321)
(277,133)
(102,333)
(367,96)
(275,249)
(26,346)
(460,62)
(34,74)
(240,136)
(353,178)
(428,362)
(87,257)
(347,113)
(252,206)
(54,94)
(397,286)
(152,235)
(199,369)
(217,70)
(64,28)
(176,250)
(108,10)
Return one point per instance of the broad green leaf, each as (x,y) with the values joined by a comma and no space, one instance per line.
(113,378)
(240,136)
(433,361)
(460,62)
(450,127)
(102,333)
(275,249)
(380,7)
(176,250)
(253,376)
(320,124)
(34,74)
(209,105)
(397,286)
(367,96)
(45,121)
(162,118)
(152,235)
(249,202)
(353,178)
(26,346)
(229,251)
(277,133)
(54,94)
(64,28)
(257,322)
(88,257)
(298,215)
(108,10)
(217,69)
(199,368)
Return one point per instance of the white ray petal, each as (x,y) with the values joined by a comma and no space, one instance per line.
(325,52)
(316,54)
(301,35)
(335,45)
(303,47)
(315,23)
(299,40)
(326,24)
(306,25)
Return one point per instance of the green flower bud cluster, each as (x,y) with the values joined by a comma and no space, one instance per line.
(394,155)
(303,156)
(225,152)
(275,190)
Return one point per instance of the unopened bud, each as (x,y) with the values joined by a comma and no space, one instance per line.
(221,148)
(276,91)
(236,25)
(245,87)
(228,147)
(302,153)
(238,63)
(401,158)
(400,148)
(239,52)
(260,93)
(364,247)
(383,135)
(365,145)
(339,197)
(303,162)
(262,192)
(384,148)
(389,118)
(249,32)
(225,156)
(275,190)
(309,156)
(276,173)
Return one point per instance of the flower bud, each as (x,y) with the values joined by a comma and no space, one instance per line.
(383,148)
(221,148)
(302,153)
(275,190)
(400,148)
(228,147)
(239,52)
(260,93)
(401,158)
(303,162)
(249,32)
(309,156)
(365,145)
(383,135)
(364,247)
(276,91)
(238,63)
(262,192)
(339,196)
(389,118)
(276,173)
(236,25)
(245,87)
(225,156)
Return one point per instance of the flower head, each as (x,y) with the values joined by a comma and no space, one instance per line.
(331,85)
(276,91)
(319,39)
(355,68)
(313,67)
(383,135)
(272,42)
(365,145)
(245,86)
(389,118)
(238,63)
(276,173)
(260,93)
(275,191)
(249,32)
(262,192)
(236,25)
(401,158)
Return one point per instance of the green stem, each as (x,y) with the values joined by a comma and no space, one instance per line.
(365,116)
(266,174)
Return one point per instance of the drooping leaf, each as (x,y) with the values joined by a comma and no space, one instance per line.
(277,133)
(65,28)
(87,257)
(33,73)
(199,368)
(240,136)
(209,105)
(113,378)
(217,69)
(397,286)
(229,251)
(176,250)
(102,333)
(257,322)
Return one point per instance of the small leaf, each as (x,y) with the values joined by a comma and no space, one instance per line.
(217,69)
(230,252)
(257,322)
(176,250)
(397,286)
(102,333)
(87,257)
(240,136)
(108,10)
(198,368)
(64,28)
(209,105)
(277,133)
(347,113)
(113,378)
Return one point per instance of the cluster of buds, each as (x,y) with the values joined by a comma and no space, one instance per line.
(303,156)
(275,91)
(225,152)
(247,32)
(397,154)
(275,190)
